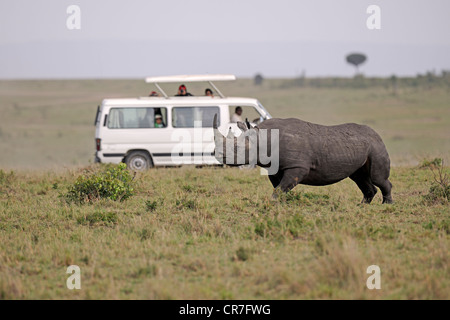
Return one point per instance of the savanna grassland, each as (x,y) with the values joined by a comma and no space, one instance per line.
(215,233)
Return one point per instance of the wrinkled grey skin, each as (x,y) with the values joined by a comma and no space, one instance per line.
(318,155)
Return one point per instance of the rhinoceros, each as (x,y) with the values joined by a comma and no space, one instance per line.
(311,154)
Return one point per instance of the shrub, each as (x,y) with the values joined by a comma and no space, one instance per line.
(440,187)
(438,193)
(436,162)
(114,183)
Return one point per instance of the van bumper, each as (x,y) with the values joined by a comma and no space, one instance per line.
(109,157)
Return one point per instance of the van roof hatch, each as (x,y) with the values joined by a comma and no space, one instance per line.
(191,78)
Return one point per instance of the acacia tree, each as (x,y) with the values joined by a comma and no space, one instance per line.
(356,59)
(258,79)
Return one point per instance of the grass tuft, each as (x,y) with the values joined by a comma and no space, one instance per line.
(99,218)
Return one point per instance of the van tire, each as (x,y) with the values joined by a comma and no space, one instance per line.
(138,161)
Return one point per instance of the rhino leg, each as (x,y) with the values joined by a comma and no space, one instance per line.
(379,173)
(275,179)
(362,178)
(291,178)
(385,187)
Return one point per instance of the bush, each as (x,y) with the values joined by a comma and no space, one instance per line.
(438,193)
(440,187)
(436,162)
(113,183)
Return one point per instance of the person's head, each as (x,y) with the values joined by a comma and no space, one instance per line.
(182,90)
(153,94)
(238,111)
(209,93)
(158,119)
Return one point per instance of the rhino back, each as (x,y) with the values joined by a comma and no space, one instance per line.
(331,152)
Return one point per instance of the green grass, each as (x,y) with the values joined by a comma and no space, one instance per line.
(215,233)
(221,238)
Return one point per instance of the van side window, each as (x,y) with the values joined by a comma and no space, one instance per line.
(137,118)
(185,117)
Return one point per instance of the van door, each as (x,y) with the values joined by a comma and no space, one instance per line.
(193,131)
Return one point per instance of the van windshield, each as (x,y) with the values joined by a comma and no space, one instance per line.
(266,114)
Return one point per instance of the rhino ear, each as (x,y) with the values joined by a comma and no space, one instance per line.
(242,126)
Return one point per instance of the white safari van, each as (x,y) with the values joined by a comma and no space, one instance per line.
(168,130)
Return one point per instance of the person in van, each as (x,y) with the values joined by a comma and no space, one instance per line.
(182,92)
(209,93)
(159,121)
(236,117)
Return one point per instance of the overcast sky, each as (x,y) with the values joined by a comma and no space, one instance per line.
(137,38)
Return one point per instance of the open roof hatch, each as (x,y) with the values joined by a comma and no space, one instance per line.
(191,78)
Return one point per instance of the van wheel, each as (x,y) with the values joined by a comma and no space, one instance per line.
(138,161)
